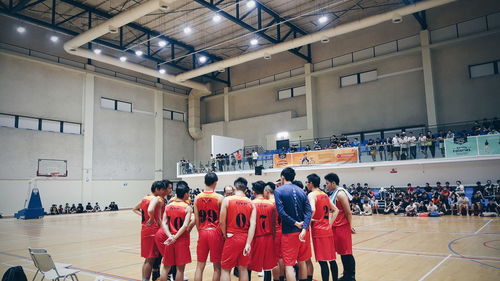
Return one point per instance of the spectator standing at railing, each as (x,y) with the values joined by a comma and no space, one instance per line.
(412,140)
(255,157)
(440,139)
(388,148)
(248,155)
(233,161)
(239,158)
(372,149)
(450,135)
(380,146)
(431,143)
(422,141)
(404,146)
(396,144)
(227,161)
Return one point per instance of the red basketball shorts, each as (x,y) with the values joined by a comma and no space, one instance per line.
(343,239)
(293,250)
(262,255)
(232,253)
(177,253)
(210,241)
(324,248)
(148,245)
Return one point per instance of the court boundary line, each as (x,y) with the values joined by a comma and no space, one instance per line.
(434,268)
(483,226)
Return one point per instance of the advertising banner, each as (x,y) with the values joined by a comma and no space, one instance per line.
(488,144)
(460,147)
(341,155)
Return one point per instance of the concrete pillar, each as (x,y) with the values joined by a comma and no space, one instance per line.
(430,100)
(88,136)
(226,104)
(158,114)
(310,99)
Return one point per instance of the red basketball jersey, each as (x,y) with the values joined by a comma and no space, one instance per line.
(157,212)
(208,207)
(320,227)
(176,214)
(278,218)
(265,211)
(341,219)
(239,210)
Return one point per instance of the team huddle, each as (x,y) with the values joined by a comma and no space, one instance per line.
(271,233)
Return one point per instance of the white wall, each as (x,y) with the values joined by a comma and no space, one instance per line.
(123,144)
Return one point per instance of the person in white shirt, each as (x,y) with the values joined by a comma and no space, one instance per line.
(396,144)
(431,207)
(404,147)
(460,188)
(411,210)
(423,146)
(412,141)
(374,203)
(463,202)
(255,157)
(367,209)
(356,210)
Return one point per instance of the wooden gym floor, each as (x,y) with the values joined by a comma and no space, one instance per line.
(386,247)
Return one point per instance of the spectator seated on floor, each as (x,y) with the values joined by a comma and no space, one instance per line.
(53,210)
(356,210)
(89,208)
(411,210)
(97,208)
(367,209)
(79,209)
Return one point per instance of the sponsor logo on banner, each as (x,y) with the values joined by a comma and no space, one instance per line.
(341,155)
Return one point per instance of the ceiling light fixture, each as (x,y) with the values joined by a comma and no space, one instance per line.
(21,29)
(216,18)
(162,43)
(162,71)
(187,30)
(123,59)
(54,38)
(202,59)
(97,51)
(138,53)
(254,42)
(323,19)
(250,4)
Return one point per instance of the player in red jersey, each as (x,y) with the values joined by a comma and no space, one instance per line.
(279,271)
(207,213)
(342,226)
(150,209)
(175,224)
(263,256)
(321,227)
(237,222)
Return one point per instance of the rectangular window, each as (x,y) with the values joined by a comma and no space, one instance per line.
(358,78)
(108,103)
(481,70)
(123,106)
(51,126)
(178,116)
(284,94)
(7,121)
(72,128)
(167,114)
(28,123)
(348,80)
(299,91)
(368,76)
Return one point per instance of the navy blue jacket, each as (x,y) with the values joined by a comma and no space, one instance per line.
(293,206)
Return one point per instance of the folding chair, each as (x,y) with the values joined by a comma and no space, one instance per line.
(49,270)
(38,251)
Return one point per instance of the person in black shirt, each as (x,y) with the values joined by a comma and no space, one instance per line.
(79,209)
(476,203)
(427,188)
(89,208)
(72,210)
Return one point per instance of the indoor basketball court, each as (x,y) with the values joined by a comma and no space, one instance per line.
(105,103)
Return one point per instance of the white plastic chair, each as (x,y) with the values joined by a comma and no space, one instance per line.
(38,251)
(50,271)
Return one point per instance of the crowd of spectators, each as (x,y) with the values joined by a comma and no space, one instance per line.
(78,209)
(427,200)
